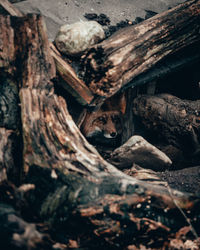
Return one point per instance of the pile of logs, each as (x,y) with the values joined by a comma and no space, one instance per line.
(57,192)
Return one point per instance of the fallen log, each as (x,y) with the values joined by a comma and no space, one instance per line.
(131,55)
(8,8)
(69,79)
(10,164)
(9,116)
(74,186)
(146,175)
(171,120)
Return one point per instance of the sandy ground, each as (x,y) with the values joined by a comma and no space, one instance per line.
(59,12)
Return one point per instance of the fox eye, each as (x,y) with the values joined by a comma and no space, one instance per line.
(116,118)
(102,119)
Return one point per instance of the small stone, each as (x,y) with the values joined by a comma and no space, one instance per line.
(139,151)
(73,39)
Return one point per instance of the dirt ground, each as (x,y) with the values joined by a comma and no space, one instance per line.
(57,13)
(186,180)
(60,12)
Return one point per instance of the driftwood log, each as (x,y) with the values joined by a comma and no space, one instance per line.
(171,120)
(9,116)
(68,78)
(70,81)
(74,190)
(131,56)
(7,8)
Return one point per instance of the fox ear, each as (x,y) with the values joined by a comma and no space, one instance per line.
(116,102)
(122,103)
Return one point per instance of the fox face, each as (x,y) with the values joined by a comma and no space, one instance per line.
(107,124)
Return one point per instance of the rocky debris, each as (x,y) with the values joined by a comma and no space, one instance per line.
(186,179)
(101,19)
(138,150)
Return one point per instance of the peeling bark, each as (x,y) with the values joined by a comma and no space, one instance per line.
(74,185)
(81,180)
(171,120)
(133,51)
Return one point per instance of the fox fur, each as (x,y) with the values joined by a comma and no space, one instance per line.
(107,121)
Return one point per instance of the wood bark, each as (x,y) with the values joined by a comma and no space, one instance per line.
(141,49)
(126,58)
(69,79)
(128,125)
(9,111)
(171,120)
(8,8)
(4,135)
(10,156)
(73,185)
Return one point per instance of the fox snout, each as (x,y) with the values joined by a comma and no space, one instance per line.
(110,135)
(102,132)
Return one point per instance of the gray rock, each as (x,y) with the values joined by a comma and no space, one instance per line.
(73,39)
(138,150)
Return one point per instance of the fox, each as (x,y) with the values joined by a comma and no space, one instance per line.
(107,121)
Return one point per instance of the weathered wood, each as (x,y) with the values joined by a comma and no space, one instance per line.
(10,155)
(39,103)
(7,50)
(146,175)
(171,120)
(74,186)
(70,80)
(31,67)
(128,125)
(9,108)
(134,50)
(9,8)
(16,233)
(83,186)
(4,143)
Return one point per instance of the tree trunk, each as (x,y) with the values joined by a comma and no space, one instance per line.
(127,57)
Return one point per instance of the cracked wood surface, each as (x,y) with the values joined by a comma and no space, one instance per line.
(70,177)
(133,51)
